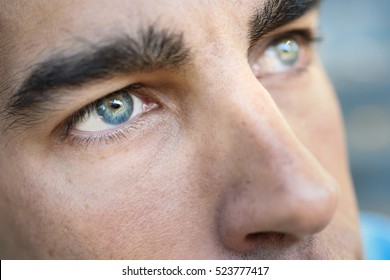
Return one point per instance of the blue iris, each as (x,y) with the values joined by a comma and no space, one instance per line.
(115,108)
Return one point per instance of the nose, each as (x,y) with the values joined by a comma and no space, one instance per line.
(277,185)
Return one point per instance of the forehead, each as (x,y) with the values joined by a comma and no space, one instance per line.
(30,18)
(33,30)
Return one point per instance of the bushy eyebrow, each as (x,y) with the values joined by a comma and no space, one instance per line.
(276,13)
(149,50)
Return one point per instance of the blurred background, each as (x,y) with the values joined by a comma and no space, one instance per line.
(355,52)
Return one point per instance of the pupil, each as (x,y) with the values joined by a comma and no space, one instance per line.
(115,104)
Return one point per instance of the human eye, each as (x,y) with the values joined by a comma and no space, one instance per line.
(284,54)
(109,117)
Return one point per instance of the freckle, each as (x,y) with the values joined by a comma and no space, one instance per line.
(247,182)
(68,180)
(65,229)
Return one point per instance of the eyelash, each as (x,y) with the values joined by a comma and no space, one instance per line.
(306,36)
(115,135)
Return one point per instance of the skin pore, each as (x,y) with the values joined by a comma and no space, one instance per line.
(234,149)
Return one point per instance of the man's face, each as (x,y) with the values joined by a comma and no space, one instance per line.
(169,129)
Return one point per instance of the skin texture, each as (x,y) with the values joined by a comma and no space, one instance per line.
(228,165)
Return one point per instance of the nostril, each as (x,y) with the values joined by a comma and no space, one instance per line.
(278,237)
(265,235)
(256,240)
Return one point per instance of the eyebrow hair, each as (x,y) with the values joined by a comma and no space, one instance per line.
(150,50)
(276,13)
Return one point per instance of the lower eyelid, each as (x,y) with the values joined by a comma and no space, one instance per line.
(109,133)
(118,133)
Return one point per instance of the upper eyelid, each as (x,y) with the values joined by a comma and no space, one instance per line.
(306,33)
(303,33)
(132,88)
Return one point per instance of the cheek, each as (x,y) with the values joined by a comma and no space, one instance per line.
(139,202)
(117,202)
